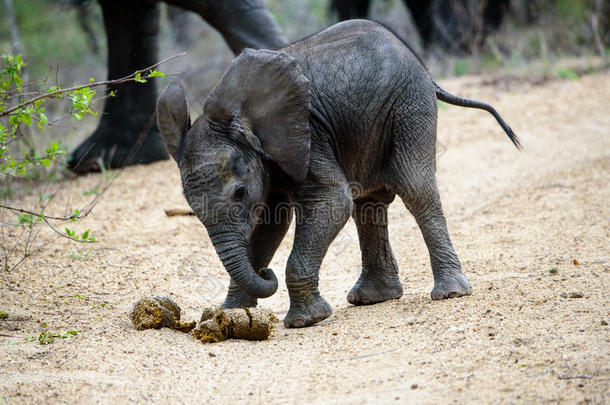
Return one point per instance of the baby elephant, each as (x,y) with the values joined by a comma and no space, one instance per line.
(290,132)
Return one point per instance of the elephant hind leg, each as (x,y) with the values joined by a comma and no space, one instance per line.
(413,178)
(379,279)
(422,200)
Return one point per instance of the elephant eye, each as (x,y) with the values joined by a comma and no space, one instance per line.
(239,193)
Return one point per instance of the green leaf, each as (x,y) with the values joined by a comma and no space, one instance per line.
(85,235)
(155,73)
(138,78)
(26,118)
(45,162)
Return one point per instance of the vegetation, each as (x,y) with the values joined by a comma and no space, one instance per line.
(46,337)
(21,109)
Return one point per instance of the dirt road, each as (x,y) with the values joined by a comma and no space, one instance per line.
(528,226)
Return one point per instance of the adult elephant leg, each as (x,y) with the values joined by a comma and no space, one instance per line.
(423,19)
(349,9)
(127,133)
(379,280)
(242,23)
(266,237)
(321,210)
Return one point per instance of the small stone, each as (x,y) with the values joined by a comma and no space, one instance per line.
(564,295)
(553,270)
(575,262)
(576,294)
(414,386)
(604,323)
(211,354)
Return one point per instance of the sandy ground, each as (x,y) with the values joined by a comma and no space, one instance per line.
(513,216)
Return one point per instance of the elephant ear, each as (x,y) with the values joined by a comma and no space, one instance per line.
(173,117)
(268,92)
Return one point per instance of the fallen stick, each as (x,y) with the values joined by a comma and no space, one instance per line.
(172,212)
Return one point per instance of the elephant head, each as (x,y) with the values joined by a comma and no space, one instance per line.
(257,114)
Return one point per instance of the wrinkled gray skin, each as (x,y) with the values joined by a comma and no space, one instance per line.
(350,105)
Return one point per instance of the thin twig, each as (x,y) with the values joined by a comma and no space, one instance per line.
(21,210)
(574,377)
(94,84)
(65,235)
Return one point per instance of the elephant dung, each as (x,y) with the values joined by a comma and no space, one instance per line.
(218,324)
(158,312)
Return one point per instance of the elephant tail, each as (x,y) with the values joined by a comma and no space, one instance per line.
(447,97)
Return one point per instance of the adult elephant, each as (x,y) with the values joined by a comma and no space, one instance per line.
(126,133)
(457,26)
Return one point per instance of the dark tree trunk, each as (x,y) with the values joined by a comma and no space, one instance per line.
(127,133)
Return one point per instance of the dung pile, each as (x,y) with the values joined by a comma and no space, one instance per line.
(158,312)
(218,324)
(215,325)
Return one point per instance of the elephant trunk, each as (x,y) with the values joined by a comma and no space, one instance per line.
(230,245)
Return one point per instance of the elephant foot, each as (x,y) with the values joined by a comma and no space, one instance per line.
(371,290)
(307,307)
(451,284)
(114,151)
(236,298)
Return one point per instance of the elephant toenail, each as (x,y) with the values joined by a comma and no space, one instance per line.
(437,295)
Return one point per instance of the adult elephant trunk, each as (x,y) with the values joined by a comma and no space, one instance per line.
(230,245)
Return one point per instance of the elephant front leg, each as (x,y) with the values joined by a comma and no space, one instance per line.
(266,237)
(319,219)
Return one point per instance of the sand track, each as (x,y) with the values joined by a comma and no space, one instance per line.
(512,216)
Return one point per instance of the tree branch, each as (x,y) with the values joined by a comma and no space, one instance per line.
(128,78)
